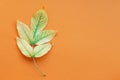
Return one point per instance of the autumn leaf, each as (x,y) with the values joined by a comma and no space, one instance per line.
(24,31)
(38,22)
(25,48)
(44,36)
(34,41)
(42,49)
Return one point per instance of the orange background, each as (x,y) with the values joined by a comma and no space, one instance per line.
(87,46)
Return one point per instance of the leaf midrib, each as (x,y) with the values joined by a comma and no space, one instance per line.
(42,37)
(25,48)
(39,50)
(37,26)
(27,35)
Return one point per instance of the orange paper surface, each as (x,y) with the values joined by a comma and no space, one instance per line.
(87,46)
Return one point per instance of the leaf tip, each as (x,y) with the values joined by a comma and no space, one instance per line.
(54,32)
(18,21)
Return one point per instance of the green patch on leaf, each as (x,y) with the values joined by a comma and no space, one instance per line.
(44,36)
(38,22)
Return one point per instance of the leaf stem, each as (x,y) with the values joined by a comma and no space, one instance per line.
(38,68)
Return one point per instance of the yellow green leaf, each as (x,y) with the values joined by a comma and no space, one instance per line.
(42,49)
(24,31)
(25,48)
(45,36)
(34,41)
(38,21)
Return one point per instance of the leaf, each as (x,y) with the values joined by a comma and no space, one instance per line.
(34,41)
(24,31)
(45,36)
(42,49)
(38,21)
(24,47)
